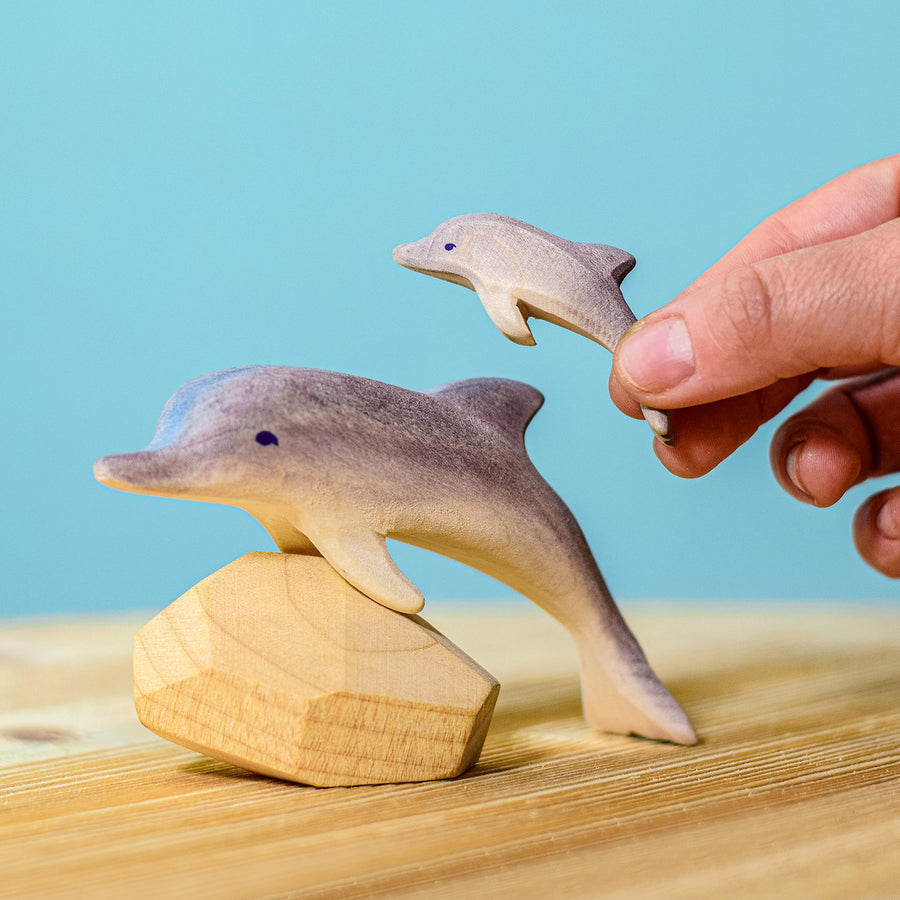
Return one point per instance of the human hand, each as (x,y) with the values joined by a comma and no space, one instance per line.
(812,292)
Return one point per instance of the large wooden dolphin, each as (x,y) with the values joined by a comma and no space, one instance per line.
(335,464)
(519,271)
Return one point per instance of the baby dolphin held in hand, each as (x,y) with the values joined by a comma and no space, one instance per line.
(519,271)
(335,464)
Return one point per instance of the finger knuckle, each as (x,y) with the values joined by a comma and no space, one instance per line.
(747,308)
(781,234)
(887,251)
(878,272)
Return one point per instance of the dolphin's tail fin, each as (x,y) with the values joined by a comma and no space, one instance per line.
(622,694)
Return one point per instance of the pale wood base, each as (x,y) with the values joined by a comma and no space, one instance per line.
(276,664)
(793,791)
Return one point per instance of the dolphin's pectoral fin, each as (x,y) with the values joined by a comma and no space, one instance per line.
(505,313)
(282,530)
(362,558)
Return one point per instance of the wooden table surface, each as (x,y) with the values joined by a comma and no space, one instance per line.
(793,791)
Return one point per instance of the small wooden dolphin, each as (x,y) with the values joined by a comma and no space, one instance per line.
(519,271)
(335,464)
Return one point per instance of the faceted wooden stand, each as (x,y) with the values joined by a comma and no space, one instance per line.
(277,664)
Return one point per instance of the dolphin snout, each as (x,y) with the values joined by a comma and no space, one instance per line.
(122,471)
(405,255)
(144,472)
(102,471)
(428,257)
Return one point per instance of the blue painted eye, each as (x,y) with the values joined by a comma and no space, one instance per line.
(265,438)
(449,246)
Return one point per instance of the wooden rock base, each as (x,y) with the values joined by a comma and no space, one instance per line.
(277,664)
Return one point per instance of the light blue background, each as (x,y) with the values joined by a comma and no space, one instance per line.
(191,186)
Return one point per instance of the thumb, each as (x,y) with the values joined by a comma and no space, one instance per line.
(828,305)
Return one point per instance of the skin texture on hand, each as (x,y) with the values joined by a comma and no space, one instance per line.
(812,292)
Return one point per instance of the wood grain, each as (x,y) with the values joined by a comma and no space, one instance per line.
(277,664)
(791,792)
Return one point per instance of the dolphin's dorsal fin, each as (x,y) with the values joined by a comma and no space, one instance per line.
(613,260)
(507,405)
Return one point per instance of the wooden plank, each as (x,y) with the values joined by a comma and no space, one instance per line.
(793,790)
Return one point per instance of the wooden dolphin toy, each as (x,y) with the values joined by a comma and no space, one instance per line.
(334,464)
(519,271)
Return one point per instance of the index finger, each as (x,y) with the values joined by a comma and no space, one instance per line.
(856,201)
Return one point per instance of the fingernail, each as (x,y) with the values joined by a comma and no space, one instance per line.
(792,467)
(886,522)
(659,356)
(822,467)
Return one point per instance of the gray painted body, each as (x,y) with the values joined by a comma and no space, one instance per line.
(358,461)
(519,271)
